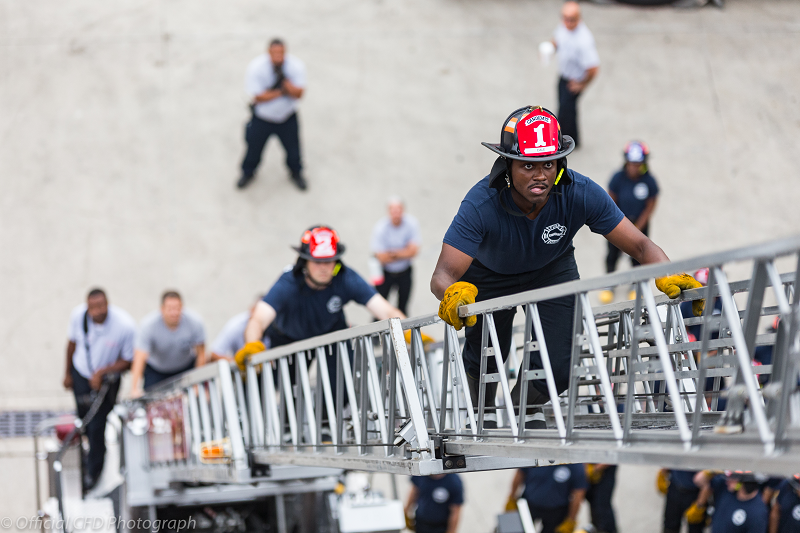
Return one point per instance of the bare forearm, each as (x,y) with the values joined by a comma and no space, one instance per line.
(452,520)
(70,353)
(644,217)
(266,96)
(575,503)
(118,367)
(774,518)
(200,360)
(137,369)
(439,283)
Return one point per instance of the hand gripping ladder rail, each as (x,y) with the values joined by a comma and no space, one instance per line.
(641,390)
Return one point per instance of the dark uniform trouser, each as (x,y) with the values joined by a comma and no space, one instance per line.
(678,500)
(258,131)
(556,316)
(614,253)
(153,376)
(96,429)
(599,498)
(401,280)
(421,526)
(551,517)
(568,110)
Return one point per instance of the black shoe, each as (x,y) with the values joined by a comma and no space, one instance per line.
(243,181)
(297,179)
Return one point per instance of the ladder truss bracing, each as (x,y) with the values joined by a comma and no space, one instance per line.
(646,384)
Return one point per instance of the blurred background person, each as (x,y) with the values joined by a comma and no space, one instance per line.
(170,342)
(554,495)
(100,347)
(634,190)
(231,339)
(785,514)
(738,504)
(395,242)
(602,478)
(578,63)
(438,500)
(275,81)
(681,492)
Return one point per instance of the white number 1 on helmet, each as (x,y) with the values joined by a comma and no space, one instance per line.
(539,136)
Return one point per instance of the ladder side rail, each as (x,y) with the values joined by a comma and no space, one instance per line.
(409,388)
(319,401)
(446,362)
(575,365)
(636,358)
(375,394)
(205,416)
(685,384)
(498,357)
(548,371)
(755,301)
(360,364)
(391,384)
(324,377)
(270,404)
(287,401)
(666,366)
(340,392)
(299,400)
(788,356)
(217,421)
(433,408)
(522,373)
(462,378)
(778,288)
(310,416)
(670,336)
(630,332)
(347,375)
(241,403)
(705,336)
(597,351)
(230,412)
(482,374)
(254,407)
(194,418)
(691,385)
(745,366)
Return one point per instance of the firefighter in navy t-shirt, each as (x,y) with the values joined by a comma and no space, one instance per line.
(634,190)
(554,495)
(681,492)
(438,500)
(785,514)
(738,504)
(307,300)
(513,232)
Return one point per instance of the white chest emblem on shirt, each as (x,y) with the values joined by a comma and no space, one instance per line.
(641,191)
(739,516)
(796,513)
(553,233)
(440,495)
(334,304)
(562,474)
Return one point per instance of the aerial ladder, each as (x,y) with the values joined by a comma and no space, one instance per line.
(641,391)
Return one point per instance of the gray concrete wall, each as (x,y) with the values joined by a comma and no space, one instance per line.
(121,132)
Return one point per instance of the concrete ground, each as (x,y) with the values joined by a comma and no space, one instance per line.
(121,134)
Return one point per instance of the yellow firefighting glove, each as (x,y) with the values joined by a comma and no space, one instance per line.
(410,523)
(246,351)
(695,514)
(673,285)
(426,339)
(567,526)
(662,481)
(458,294)
(593,474)
(511,504)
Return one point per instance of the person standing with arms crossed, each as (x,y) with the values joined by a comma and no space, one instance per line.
(275,81)
(100,348)
(395,241)
(578,64)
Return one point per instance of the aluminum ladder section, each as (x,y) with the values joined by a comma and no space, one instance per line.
(363,399)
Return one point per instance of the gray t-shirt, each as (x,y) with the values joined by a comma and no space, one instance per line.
(387,237)
(231,339)
(170,350)
(576,51)
(109,341)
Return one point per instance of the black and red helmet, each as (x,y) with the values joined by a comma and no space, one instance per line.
(636,152)
(532,133)
(320,243)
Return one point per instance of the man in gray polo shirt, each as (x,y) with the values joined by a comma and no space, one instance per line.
(100,347)
(275,81)
(578,64)
(395,241)
(231,339)
(170,342)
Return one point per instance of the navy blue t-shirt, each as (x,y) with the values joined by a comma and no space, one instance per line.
(303,312)
(683,479)
(632,195)
(734,516)
(507,244)
(789,502)
(436,496)
(551,486)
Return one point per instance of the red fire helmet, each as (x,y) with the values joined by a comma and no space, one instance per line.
(320,243)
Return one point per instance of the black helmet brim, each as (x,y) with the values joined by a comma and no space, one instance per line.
(567,142)
(340,249)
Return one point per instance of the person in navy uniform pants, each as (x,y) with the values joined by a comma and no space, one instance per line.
(785,514)
(438,500)
(681,492)
(602,480)
(554,494)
